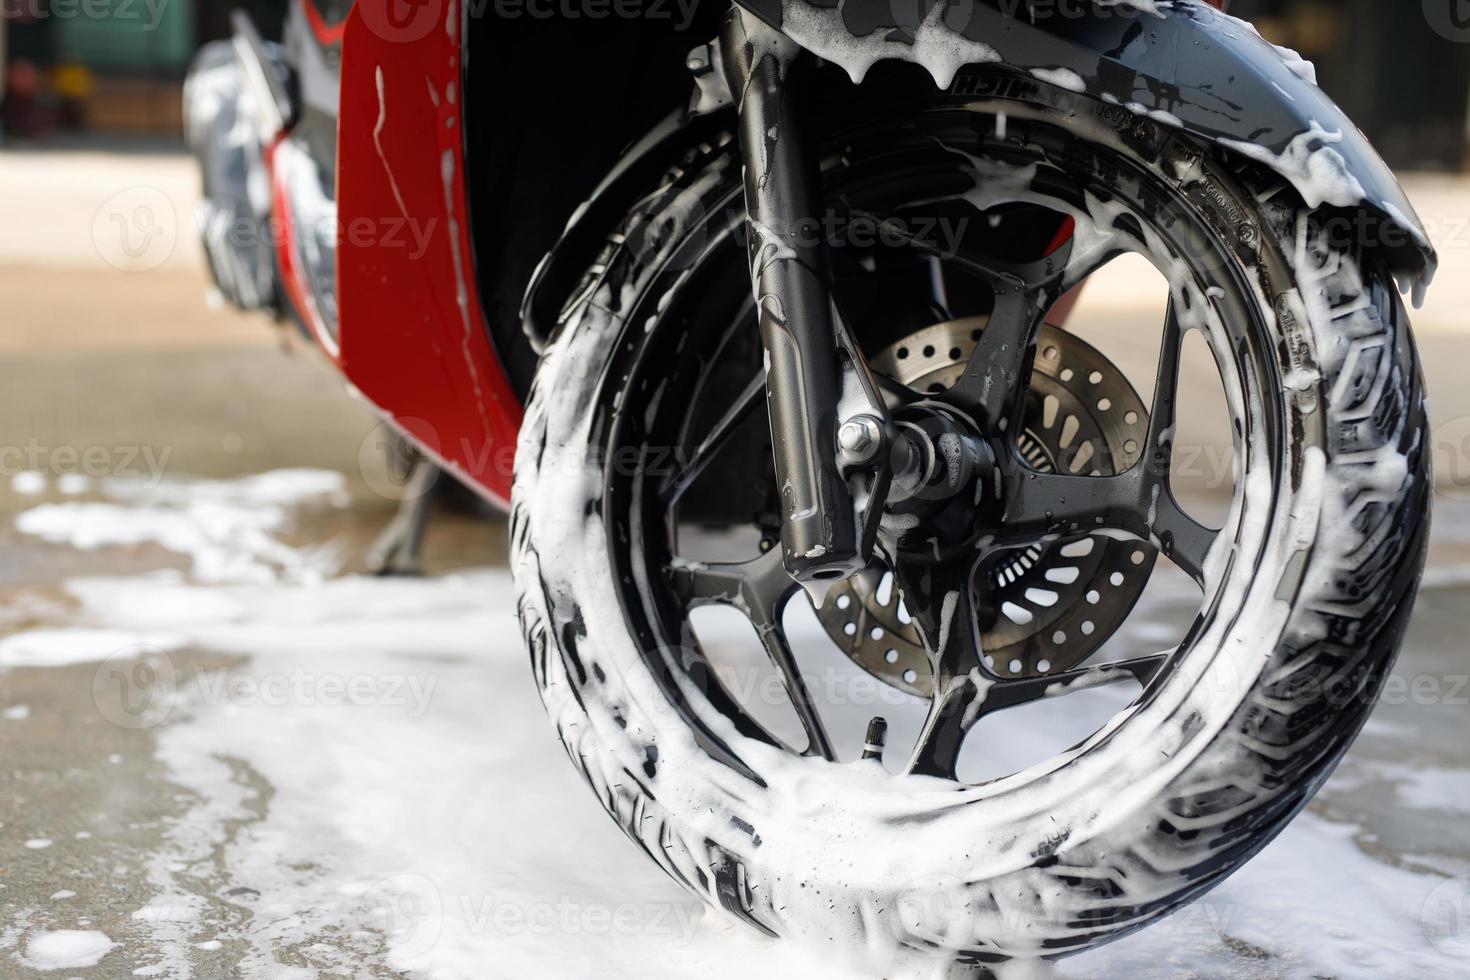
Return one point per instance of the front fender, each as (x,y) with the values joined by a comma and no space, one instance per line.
(1180,62)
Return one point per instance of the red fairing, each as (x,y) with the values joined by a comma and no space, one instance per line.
(413,336)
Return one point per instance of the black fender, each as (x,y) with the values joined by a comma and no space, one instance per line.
(1181,62)
(640,165)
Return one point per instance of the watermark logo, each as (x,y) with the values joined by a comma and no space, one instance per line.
(1445,917)
(407,21)
(143,463)
(149,13)
(223,229)
(413,913)
(938,909)
(680,13)
(409,910)
(136,230)
(1451,446)
(391,465)
(1450,19)
(140,687)
(136,688)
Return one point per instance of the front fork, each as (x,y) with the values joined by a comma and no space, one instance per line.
(812,367)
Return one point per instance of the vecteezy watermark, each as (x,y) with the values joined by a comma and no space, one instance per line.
(1366,230)
(680,12)
(414,913)
(409,911)
(945,912)
(1451,446)
(855,690)
(569,917)
(1445,917)
(298,686)
(1450,19)
(242,232)
(1033,11)
(390,459)
(676,237)
(149,12)
(1201,467)
(141,687)
(136,688)
(136,230)
(1320,683)
(146,463)
(407,21)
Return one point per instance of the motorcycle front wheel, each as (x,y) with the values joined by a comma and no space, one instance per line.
(644,500)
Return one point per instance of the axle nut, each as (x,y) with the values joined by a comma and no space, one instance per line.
(860,440)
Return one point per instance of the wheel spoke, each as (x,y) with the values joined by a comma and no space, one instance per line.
(773,638)
(1139,503)
(1183,539)
(757,587)
(953,712)
(1044,505)
(1161,423)
(938,289)
(895,393)
(717,437)
(970,699)
(994,270)
(941,602)
(760,588)
(995,376)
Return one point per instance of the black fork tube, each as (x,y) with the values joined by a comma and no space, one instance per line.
(788,268)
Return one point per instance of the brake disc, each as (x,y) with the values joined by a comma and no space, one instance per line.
(1047,607)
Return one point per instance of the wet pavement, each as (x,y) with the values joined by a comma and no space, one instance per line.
(188,772)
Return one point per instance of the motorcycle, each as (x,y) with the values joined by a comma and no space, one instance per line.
(587,267)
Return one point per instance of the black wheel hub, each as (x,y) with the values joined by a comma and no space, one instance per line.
(944,480)
(1044,608)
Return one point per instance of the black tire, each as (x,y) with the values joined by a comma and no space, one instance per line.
(1308,620)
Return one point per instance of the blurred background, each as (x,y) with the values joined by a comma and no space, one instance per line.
(105,346)
(114,68)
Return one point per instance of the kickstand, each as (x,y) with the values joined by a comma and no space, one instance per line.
(398,550)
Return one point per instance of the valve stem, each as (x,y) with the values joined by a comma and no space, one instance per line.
(876,740)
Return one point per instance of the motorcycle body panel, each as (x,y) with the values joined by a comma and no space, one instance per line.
(414,340)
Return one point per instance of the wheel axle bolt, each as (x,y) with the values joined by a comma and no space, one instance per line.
(860,439)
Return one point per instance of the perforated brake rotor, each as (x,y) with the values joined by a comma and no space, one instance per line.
(1045,608)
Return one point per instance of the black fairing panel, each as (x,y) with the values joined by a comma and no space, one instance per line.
(1213,72)
(551,106)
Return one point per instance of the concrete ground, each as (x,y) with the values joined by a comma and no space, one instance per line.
(158,836)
